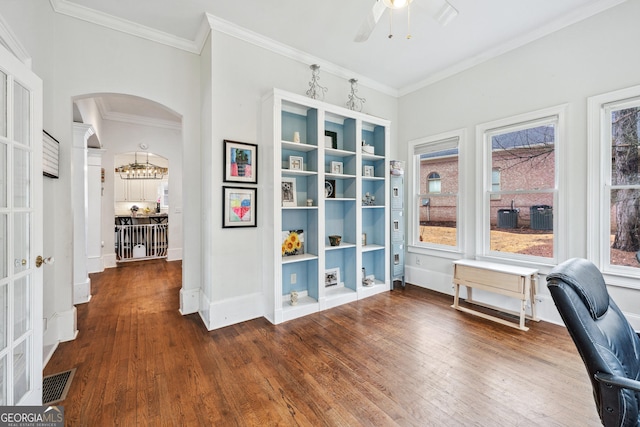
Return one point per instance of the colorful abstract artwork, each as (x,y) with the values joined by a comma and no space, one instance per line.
(239,207)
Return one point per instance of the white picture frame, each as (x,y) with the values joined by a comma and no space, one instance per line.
(368,171)
(296,163)
(288,192)
(337,168)
(332,277)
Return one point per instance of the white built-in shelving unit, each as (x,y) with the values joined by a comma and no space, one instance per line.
(341,213)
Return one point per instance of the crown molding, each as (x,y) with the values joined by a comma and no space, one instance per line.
(135,119)
(73,10)
(545,30)
(226,27)
(9,40)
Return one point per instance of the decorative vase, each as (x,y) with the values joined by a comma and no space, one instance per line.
(334,240)
(294,298)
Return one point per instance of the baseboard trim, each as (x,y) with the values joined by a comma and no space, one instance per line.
(174,254)
(82,292)
(189,301)
(231,311)
(95,264)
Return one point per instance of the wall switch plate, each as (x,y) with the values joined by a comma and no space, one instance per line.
(294,278)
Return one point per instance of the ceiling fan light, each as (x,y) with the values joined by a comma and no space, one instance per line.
(396,4)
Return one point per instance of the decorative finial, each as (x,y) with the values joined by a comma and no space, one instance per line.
(355,102)
(315,90)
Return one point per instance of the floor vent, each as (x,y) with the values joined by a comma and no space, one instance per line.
(56,386)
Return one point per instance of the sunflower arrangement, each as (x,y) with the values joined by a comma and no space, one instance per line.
(292,244)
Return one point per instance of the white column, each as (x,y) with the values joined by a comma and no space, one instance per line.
(95,263)
(81,281)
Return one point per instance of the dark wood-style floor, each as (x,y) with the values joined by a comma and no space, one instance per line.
(400,358)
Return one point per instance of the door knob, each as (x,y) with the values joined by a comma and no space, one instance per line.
(40,261)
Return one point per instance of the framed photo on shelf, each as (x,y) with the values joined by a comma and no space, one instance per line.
(239,207)
(292,242)
(330,188)
(296,163)
(240,162)
(368,171)
(330,139)
(288,191)
(336,168)
(331,277)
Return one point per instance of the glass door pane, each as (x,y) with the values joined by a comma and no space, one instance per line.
(21,375)
(21,174)
(4,247)
(3,104)
(21,250)
(21,114)
(4,167)
(3,381)
(21,299)
(4,320)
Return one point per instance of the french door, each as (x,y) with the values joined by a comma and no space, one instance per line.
(20,233)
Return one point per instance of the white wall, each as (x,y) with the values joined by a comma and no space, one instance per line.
(242,74)
(591,57)
(75,58)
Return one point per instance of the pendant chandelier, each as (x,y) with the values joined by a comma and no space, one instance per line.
(137,170)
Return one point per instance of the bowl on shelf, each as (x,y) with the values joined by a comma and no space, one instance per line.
(368,149)
(334,240)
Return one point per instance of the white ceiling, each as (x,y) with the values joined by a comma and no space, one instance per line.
(322,31)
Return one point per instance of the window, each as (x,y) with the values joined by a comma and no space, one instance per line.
(434,215)
(520,186)
(434,182)
(615,182)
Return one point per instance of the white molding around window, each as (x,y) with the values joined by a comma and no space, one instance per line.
(484,181)
(439,142)
(599,108)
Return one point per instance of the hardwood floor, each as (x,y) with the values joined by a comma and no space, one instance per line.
(400,358)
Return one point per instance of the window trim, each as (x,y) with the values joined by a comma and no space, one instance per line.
(413,178)
(598,175)
(484,185)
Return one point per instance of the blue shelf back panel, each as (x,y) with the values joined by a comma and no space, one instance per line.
(374,262)
(345,260)
(373,224)
(306,220)
(306,277)
(340,219)
(374,188)
(294,123)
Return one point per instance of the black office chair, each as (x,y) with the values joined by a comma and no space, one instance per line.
(608,345)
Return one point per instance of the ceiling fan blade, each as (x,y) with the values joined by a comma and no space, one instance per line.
(370,21)
(441,10)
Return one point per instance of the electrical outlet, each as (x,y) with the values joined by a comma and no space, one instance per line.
(418,261)
(294,278)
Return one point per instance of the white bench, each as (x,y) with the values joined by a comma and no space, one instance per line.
(509,280)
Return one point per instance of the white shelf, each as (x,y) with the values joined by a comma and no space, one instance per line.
(366,156)
(294,172)
(339,153)
(339,176)
(372,178)
(298,258)
(297,146)
(342,245)
(372,247)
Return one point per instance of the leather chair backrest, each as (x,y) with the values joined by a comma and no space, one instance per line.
(604,338)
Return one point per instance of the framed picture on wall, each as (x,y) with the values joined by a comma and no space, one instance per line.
(240,162)
(239,207)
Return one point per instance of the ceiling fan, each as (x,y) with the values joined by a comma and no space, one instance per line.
(441,10)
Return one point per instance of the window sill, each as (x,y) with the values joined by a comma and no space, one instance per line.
(436,252)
